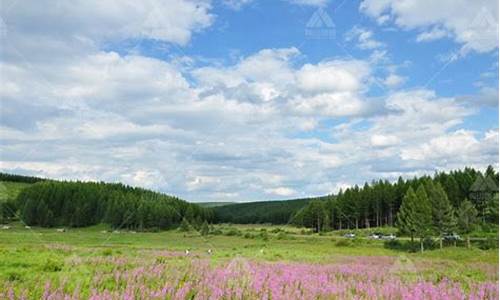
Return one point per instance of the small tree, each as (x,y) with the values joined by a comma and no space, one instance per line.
(204,229)
(405,219)
(443,216)
(185,225)
(423,216)
(467,219)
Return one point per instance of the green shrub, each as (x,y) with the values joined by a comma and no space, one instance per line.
(14,276)
(52,266)
(233,232)
(343,243)
(488,244)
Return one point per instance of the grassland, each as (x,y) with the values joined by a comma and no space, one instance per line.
(31,257)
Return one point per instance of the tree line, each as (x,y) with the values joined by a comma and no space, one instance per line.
(381,203)
(273,212)
(19,178)
(78,204)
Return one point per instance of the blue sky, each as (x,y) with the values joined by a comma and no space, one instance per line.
(238,100)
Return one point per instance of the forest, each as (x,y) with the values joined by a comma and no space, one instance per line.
(416,206)
(49,203)
(78,204)
(273,212)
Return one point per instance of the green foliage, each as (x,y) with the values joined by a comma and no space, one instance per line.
(204,229)
(376,204)
(185,226)
(467,217)
(443,215)
(273,212)
(78,204)
(406,217)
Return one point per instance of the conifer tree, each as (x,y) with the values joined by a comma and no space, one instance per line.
(443,216)
(405,219)
(422,216)
(467,219)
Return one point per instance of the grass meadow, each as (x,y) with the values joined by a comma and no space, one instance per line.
(246,262)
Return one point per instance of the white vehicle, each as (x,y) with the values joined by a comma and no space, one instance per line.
(389,237)
(349,235)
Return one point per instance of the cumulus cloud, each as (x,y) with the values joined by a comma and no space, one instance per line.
(236,4)
(171,20)
(310,2)
(472,24)
(364,38)
(269,124)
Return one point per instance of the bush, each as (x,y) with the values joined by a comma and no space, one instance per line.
(233,232)
(488,244)
(14,276)
(107,252)
(216,232)
(395,244)
(52,266)
(248,236)
(281,236)
(343,243)
(264,236)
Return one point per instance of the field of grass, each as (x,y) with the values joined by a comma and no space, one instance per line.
(97,262)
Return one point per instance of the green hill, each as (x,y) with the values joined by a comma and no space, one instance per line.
(214,204)
(274,212)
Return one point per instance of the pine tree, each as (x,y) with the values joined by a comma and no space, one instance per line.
(423,216)
(204,229)
(185,225)
(405,219)
(443,216)
(467,219)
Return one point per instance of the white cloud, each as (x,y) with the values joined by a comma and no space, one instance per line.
(455,147)
(364,38)
(268,124)
(393,80)
(332,76)
(310,2)
(281,191)
(379,140)
(236,4)
(473,24)
(171,20)
(434,34)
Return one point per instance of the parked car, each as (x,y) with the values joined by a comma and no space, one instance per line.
(452,237)
(349,235)
(374,236)
(389,237)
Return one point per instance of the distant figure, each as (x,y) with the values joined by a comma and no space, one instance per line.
(209,251)
(187,252)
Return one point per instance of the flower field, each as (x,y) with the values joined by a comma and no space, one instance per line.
(89,264)
(168,275)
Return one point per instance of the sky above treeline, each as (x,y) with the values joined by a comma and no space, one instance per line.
(239,100)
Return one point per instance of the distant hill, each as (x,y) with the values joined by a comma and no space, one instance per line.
(274,212)
(48,203)
(214,204)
